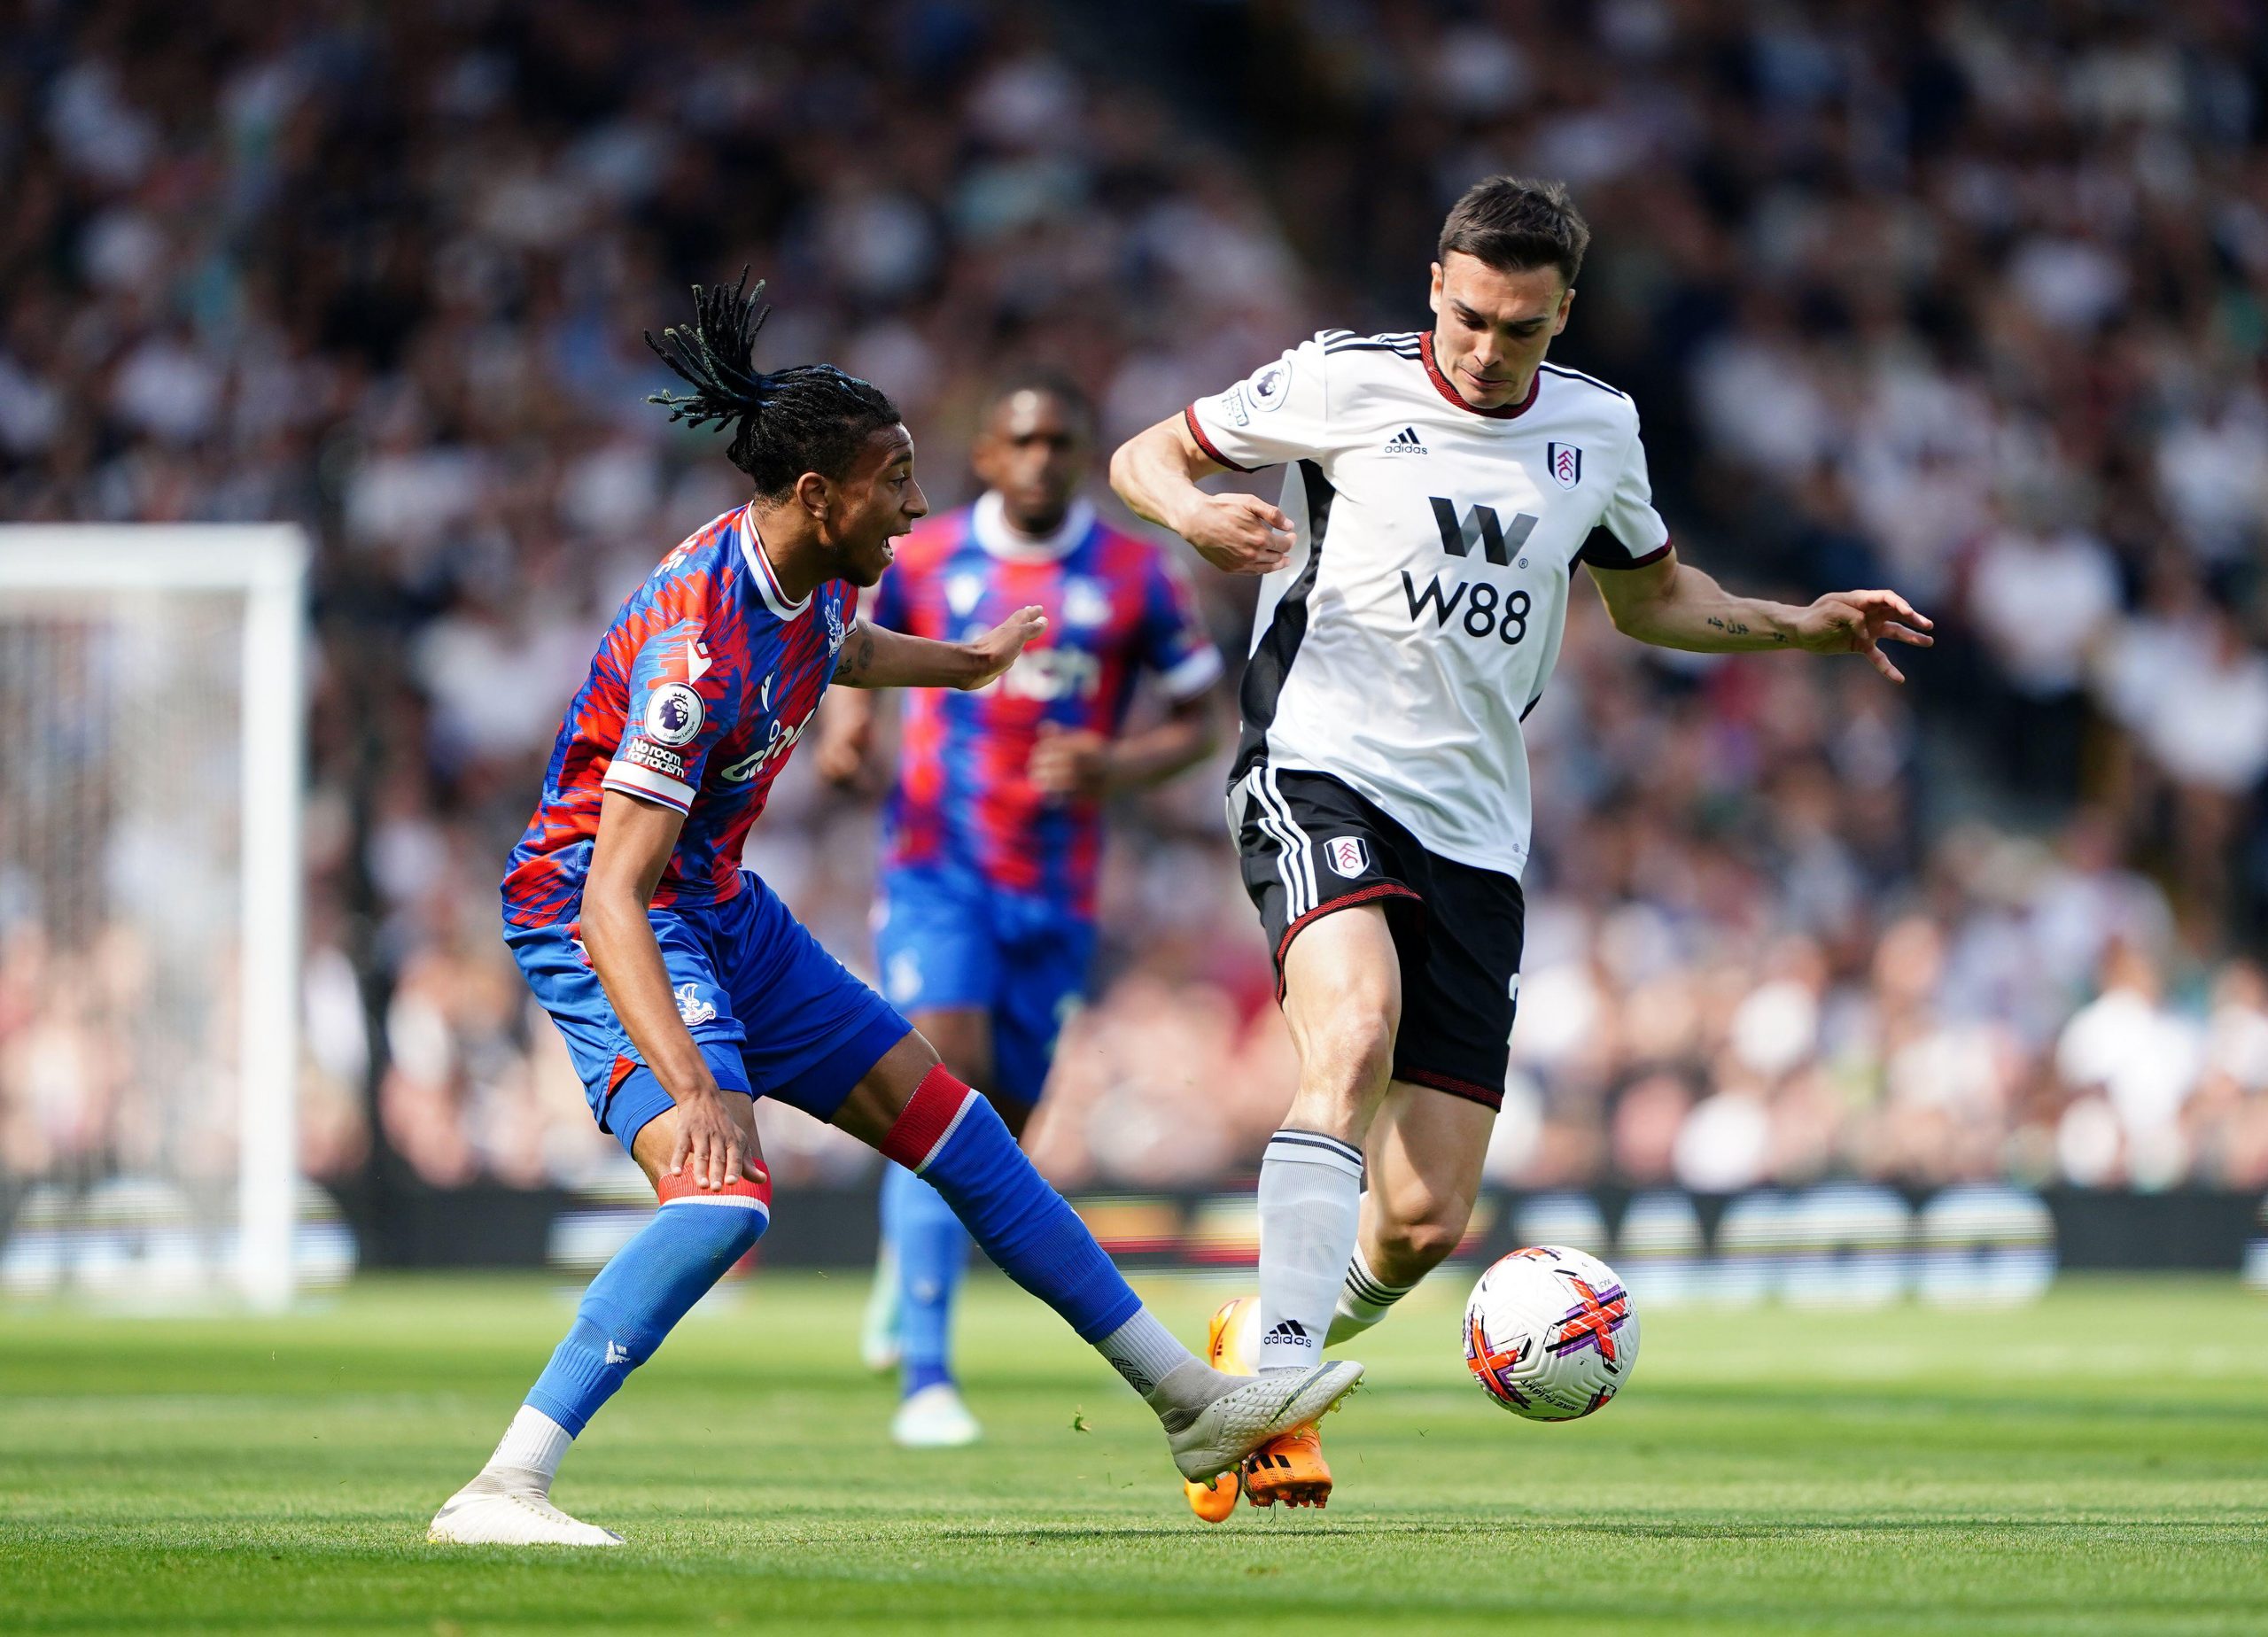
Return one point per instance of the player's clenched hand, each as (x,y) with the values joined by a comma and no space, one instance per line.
(1237,533)
(709,1148)
(1071,762)
(997,649)
(1860,622)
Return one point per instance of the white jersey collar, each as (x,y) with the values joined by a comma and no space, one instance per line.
(761,571)
(988,522)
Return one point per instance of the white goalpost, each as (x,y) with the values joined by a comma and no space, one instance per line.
(153,713)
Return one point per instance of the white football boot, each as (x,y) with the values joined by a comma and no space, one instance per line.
(933,1418)
(500,1509)
(1254,1409)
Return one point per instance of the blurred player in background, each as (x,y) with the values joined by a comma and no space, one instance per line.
(1443,488)
(685,988)
(993,831)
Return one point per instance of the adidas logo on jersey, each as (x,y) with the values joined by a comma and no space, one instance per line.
(1403,442)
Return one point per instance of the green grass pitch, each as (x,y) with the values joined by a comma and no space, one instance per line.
(2096,1463)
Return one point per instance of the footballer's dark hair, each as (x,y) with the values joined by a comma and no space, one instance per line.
(807,418)
(1041,378)
(1516,224)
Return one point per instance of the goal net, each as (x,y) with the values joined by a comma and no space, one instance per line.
(152,714)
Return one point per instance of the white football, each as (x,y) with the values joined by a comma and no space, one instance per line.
(1549,1333)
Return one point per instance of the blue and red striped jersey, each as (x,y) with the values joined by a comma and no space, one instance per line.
(700,689)
(1114,608)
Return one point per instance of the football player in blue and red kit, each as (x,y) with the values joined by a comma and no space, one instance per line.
(992,835)
(685,988)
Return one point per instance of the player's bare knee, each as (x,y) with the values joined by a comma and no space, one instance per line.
(655,1145)
(1417,1228)
(1414,1249)
(1364,1045)
(875,1104)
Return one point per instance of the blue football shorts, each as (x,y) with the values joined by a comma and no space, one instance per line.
(773,1013)
(947,940)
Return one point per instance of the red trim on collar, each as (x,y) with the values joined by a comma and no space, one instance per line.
(1442,385)
(778,599)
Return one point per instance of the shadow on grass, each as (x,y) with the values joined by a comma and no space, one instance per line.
(1861,1526)
(2215,1401)
(1292,1531)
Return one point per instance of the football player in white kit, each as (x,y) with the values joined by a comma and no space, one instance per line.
(1440,490)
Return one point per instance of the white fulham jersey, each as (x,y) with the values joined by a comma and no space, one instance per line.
(1419,616)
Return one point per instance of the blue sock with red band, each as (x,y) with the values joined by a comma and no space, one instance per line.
(952,1138)
(651,1283)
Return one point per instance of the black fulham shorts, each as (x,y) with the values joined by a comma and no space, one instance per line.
(1310,845)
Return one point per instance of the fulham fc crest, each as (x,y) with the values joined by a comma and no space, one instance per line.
(1566,463)
(1348,855)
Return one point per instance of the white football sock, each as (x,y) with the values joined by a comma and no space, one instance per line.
(533,1443)
(1364,1299)
(1171,1379)
(1143,1351)
(1310,1205)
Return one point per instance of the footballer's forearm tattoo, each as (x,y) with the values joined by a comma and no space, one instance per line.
(857,661)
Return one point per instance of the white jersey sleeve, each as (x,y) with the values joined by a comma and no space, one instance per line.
(1630,532)
(1278,413)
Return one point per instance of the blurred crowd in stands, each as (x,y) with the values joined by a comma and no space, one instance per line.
(1971,300)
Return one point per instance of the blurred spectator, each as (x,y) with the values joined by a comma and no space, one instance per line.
(1967,299)
(2040,601)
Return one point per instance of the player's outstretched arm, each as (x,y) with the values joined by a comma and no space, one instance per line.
(1672,604)
(635,841)
(874,657)
(1155,473)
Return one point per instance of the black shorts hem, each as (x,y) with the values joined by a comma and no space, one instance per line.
(1346,900)
(1490,1097)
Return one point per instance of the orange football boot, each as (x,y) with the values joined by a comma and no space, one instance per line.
(1290,1469)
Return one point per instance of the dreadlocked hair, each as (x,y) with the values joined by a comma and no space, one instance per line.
(808,418)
